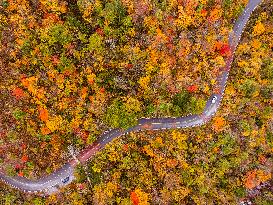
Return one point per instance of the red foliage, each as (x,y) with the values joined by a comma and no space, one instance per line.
(21,174)
(225,50)
(204,12)
(192,88)
(24,146)
(134,198)
(24,158)
(100,31)
(55,60)
(102,90)
(18,166)
(81,133)
(129,65)
(18,93)
(81,186)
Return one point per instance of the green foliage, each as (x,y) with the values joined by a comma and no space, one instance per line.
(249,87)
(118,116)
(43,137)
(244,125)
(114,12)
(58,34)
(26,47)
(240,192)
(267,92)
(12,135)
(65,64)
(9,199)
(267,69)
(95,43)
(38,201)
(4,3)
(18,114)
(182,100)
(269,138)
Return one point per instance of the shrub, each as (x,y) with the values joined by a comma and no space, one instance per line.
(249,87)
(182,100)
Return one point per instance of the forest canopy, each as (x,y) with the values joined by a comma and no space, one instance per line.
(71,70)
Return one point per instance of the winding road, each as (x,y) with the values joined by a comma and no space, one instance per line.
(65,175)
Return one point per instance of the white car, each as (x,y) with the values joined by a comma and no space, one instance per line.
(214,99)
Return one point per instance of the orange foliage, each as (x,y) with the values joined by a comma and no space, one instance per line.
(219,123)
(172,163)
(20,174)
(43,114)
(255,177)
(84,92)
(262,159)
(18,93)
(24,158)
(215,14)
(134,198)
(45,131)
(125,147)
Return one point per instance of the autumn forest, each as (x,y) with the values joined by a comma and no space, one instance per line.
(72,69)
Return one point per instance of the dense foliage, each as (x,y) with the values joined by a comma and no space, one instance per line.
(70,70)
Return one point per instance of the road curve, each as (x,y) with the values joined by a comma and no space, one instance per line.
(65,174)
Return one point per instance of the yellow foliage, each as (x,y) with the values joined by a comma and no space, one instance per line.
(54,123)
(219,61)
(213,82)
(243,48)
(178,135)
(263,176)
(243,63)
(206,89)
(60,80)
(132,32)
(144,82)
(264,15)
(184,20)
(87,11)
(256,63)
(63,104)
(256,44)
(258,29)
(230,90)
(184,164)
(148,150)
(246,133)
(133,105)
(149,67)
(113,156)
(111,188)
(91,78)
(181,193)
(54,5)
(159,140)
(142,196)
